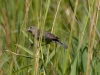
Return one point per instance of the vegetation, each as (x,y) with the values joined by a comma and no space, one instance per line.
(75,22)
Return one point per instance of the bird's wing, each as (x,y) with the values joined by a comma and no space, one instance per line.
(50,36)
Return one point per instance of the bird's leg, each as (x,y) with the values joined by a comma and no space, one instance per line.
(45,43)
(30,46)
(41,45)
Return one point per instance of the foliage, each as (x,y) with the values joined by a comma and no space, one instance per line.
(75,22)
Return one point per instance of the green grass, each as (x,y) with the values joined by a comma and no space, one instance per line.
(75,22)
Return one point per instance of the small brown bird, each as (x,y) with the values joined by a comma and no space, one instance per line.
(47,36)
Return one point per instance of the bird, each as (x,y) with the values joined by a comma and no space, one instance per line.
(47,36)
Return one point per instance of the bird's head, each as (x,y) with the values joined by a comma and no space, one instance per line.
(31,29)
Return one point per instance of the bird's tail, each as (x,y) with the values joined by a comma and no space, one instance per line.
(61,44)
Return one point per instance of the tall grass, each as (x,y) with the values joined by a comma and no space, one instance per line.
(76,23)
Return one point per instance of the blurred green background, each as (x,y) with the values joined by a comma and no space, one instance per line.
(75,22)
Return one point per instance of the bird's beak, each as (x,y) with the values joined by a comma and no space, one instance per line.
(28,30)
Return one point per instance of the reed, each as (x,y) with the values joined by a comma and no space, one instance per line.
(76,23)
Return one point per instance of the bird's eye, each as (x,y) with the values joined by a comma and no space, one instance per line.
(31,27)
